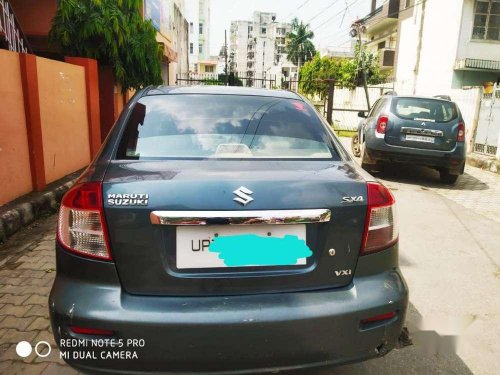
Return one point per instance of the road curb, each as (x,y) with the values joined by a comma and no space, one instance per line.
(26,209)
(484,162)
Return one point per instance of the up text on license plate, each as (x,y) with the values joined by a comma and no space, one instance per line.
(193,243)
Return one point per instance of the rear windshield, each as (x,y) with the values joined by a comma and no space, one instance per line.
(224,126)
(429,110)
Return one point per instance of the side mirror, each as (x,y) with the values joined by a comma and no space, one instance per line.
(362,114)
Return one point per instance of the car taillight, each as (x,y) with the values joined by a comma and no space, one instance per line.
(381,229)
(382,124)
(81,227)
(461,132)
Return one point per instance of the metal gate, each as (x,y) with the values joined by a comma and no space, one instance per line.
(487,137)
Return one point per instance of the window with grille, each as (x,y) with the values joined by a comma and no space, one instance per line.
(486,20)
(191,48)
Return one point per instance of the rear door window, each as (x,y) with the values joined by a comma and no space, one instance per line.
(224,126)
(429,110)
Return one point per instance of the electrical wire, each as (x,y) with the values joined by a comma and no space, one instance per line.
(324,23)
(322,11)
(400,11)
(297,9)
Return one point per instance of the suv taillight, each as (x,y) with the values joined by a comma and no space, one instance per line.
(461,132)
(381,229)
(382,124)
(81,228)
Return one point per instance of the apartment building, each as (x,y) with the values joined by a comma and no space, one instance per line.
(257,47)
(464,52)
(381,33)
(198,16)
(168,18)
(432,46)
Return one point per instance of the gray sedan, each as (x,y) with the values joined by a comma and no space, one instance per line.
(225,230)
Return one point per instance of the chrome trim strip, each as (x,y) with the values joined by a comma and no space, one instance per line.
(240,217)
(422,131)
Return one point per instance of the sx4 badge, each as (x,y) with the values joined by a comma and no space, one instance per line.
(128,199)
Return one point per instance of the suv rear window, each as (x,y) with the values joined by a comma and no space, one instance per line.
(429,110)
(224,126)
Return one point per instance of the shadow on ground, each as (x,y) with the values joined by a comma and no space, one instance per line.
(427,177)
(408,360)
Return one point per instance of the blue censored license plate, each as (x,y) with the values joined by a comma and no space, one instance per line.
(219,246)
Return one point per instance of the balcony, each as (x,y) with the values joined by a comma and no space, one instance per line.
(382,18)
(11,34)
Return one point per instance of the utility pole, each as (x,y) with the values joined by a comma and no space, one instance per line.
(356,29)
(329,103)
(226,76)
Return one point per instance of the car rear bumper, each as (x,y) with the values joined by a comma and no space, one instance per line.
(230,334)
(379,150)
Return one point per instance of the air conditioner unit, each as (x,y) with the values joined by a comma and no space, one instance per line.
(387,58)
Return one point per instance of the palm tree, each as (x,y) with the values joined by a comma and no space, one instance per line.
(299,46)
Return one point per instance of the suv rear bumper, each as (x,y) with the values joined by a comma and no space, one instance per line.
(379,150)
(233,334)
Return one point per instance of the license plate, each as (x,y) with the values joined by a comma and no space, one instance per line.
(419,138)
(193,243)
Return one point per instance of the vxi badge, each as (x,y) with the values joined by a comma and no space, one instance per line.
(128,199)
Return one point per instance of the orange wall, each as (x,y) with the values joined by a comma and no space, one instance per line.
(35,16)
(63,113)
(15,176)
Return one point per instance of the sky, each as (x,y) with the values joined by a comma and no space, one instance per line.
(327,18)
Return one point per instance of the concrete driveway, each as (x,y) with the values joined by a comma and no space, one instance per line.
(450,256)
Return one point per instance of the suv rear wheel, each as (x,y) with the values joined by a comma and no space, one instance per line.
(446,177)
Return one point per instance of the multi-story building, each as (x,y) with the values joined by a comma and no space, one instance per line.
(381,33)
(432,46)
(257,47)
(168,18)
(198,16)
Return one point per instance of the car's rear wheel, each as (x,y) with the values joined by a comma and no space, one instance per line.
(365,159)
(446,177)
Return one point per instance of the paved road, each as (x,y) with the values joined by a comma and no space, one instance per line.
(450,256)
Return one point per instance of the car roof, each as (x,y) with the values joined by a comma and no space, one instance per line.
(220,90)
(419,97)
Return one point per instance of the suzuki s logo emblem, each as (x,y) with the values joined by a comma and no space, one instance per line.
(243,195)
(423,124)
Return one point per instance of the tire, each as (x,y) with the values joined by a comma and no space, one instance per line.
(446,177)
(364,158)
(355,146)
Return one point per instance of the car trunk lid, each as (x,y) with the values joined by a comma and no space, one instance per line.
(161,258)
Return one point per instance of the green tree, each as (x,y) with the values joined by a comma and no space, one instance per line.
(299,46)
(346,72)
(112,32)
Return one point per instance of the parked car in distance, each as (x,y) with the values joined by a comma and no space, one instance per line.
(229,230)
(417,130)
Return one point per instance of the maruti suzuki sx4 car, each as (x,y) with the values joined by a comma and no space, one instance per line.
(225,230)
